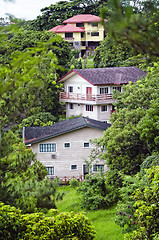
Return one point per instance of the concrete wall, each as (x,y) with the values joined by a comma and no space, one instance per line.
(75,155)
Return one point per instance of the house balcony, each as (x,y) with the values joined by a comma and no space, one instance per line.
(86,98)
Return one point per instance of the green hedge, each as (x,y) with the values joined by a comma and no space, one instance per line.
(37,226)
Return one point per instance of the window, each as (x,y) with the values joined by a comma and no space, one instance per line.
(70,89)
(104,108)
(117,88)
(94,34)
(79,24)
(89,108)
(50,170)
(49,147)
(70,105)
(98,168)
(94,24)
(88,33)
(73,167)
(67,145)
(103,90)
(68,35)
(86,145)
(82,34)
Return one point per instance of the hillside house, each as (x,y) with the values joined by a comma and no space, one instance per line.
(83,32)
(89,91)
(63,147)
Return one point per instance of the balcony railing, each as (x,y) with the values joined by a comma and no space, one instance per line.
(81,98)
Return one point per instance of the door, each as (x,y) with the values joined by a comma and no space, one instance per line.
(85,171)
(89,93)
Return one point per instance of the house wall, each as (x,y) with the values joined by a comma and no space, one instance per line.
(89,28)
(75,155)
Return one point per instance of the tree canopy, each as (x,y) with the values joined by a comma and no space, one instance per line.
(134,132)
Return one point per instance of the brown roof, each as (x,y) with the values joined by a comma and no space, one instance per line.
(66,28)
(112,75)
(81,18)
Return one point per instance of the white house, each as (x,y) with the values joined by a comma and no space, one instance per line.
(63,147)
(89,91)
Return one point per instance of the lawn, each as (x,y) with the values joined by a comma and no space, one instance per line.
(102,220)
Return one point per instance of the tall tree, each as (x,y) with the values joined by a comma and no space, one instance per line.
(129,140)
(137,22)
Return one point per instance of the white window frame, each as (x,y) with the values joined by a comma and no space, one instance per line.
(116,88)
(104,110)
(51,171)
(47,151)
(98,165)
(74,169)
(101,89)
(65,146)
(89,108)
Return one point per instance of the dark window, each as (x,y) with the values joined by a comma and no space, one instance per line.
(49,147)
(73,167)
(50,170)
(103,90)
(68,35)
(104,108)
(70,105)
(94,24)
(86,145)
(79,24)
(67,145)
(93,34)
(89,108)
(70,89)
(82,34)
(117,89)
(98,168)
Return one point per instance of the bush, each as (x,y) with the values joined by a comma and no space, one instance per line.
(96,193)
(74,182)
(37,226)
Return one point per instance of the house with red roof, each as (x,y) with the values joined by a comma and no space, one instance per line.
(89,92)
(84,32)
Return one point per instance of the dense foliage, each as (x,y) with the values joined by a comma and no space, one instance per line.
(23,181)
(134,132)
(137,22)
(111,53)
(15,225)
(30,64)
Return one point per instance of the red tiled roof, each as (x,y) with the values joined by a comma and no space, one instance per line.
(83,18)
(66,28)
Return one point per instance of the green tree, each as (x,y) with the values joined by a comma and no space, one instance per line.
(29,69)
(137,22)
(111,53)
(126,143)
(23,181)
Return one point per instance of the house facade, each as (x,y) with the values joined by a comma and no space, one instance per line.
(83,32)
(89,92)
(63,147)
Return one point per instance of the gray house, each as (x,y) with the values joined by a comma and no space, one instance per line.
(63,147)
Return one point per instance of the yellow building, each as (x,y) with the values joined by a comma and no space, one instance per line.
(84,32)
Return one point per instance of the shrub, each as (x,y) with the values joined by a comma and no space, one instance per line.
(37,226)
(96,193)
(74,182)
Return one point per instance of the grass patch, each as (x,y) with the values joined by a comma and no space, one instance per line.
(102,220)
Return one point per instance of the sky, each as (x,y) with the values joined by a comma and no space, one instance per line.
(24,9)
